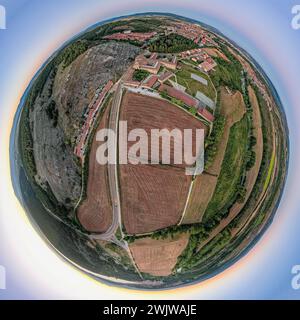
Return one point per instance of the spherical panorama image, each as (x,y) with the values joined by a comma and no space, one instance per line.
(150,151)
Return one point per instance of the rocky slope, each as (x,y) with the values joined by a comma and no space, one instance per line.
(58,115)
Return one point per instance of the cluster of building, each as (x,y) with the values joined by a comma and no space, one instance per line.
(153,63)
(151,82)
(129,35)
(195,54)
(206,39)
(206,62)
(187,30)
(193,32)
(158,78)
(90,118)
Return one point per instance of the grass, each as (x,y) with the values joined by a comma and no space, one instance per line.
(232,169)
(270,171)
(227,73)
(192,86)
(140,75)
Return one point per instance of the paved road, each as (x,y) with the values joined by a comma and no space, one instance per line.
(113,170)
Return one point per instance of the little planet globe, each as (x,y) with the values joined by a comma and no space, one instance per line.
(100,151)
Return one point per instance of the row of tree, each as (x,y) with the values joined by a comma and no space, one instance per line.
(172,43)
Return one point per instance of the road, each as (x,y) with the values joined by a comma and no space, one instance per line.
(113,170)
(113,181)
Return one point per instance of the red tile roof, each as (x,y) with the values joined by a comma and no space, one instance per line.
(150,82)
(92,112)
(164,76)
(206,114)
(177,94)
(131,36)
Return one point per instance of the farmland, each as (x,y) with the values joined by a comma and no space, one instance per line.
(148,224)
(232,169)
(95,213)
(158,257)
(150,113)
(153,196)
(232,108)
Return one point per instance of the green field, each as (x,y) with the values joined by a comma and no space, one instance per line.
(184,78)
(270,171)
(232,169)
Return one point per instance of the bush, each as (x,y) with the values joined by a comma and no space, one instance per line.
(140,75)
(213,140)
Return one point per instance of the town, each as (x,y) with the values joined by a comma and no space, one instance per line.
(174,77)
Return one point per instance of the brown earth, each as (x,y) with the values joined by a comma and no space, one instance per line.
(158,257)
(233,108)
(147,113)
(216,53)
(95,213)
(153,196)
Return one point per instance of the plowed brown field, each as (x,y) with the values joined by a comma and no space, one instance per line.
(153,196)
(158,257)
(95,213)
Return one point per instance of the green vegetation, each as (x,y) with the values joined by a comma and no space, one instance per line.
(26,143)
(172,43)
(164,94)
(239,156)
(98,33)
(227,73)
(139,25)
(52,112)
(172,231)
(229,181)
(270,171)
(136,25)
(190,257)
(72,52)
(119,253)
(192,86)
(193,111)
(251,158)
(213,140)
(140,75)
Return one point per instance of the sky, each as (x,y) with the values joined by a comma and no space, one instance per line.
(35,29)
